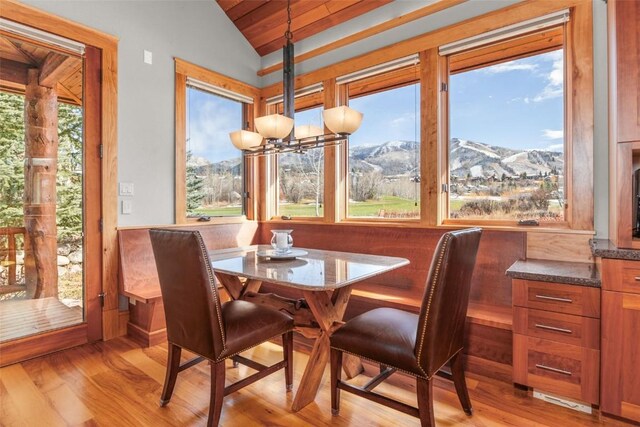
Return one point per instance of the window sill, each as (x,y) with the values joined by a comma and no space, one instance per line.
(417,224)
(193,222)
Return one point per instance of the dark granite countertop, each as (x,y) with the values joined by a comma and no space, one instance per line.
(572,273)
(605,249)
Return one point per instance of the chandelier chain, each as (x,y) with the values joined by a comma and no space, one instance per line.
(288,34)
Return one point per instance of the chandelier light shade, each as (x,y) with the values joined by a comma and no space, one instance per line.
(308,131)
(342,120)
(274,126)
(244,139)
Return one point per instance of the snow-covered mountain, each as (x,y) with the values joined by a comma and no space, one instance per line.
(393,158)
(483,160)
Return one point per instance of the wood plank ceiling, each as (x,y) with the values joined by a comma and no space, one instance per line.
(263,22)
(60,70)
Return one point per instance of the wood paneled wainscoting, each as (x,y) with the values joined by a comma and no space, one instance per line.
(489,319)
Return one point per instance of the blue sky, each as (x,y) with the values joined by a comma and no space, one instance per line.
(517,104)
(210,119)
(388,116)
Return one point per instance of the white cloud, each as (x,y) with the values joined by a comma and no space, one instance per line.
(209,128)
(555,79)
(510,66)
(401,120)
(552,134)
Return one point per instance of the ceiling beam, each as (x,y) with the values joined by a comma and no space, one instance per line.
(14,72)
(18,47)
(54,68)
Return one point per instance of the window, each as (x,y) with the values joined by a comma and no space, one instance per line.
(301,175)
(384,154)
(507,131)
(210,171)
(214,184)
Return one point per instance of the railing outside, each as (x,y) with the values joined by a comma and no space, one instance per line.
(12,278)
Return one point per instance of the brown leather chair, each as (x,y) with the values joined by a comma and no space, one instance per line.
(199,323)
(419,345)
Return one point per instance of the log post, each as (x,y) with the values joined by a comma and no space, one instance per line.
(41,160)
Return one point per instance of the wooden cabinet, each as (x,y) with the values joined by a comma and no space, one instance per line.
(621,339)
(624,16)
(556,338)
(624,117)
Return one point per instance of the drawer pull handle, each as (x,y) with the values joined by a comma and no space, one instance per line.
(556,370)
(569,300)
(553,328)
(637,278)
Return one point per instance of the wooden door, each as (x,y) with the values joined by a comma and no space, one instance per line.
(620,388)
(89,327)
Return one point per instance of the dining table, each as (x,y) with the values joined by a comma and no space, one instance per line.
(325,279)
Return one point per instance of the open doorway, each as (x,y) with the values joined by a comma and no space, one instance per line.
(42,187)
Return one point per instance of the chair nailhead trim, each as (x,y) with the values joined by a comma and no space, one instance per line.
(445,247)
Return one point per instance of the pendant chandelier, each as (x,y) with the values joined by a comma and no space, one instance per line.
(275,131)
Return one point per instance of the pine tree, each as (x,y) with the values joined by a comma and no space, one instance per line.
(195,186)
(69,173)
(69,176)
(11,159)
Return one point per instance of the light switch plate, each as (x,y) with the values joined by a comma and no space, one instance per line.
(127,207)
(148,57)
(126,188)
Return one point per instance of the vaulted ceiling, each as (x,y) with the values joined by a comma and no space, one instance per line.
(263,22)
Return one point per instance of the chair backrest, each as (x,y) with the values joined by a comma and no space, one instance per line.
(191,303)
(446,298)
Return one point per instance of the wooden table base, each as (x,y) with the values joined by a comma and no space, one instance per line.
(322,317)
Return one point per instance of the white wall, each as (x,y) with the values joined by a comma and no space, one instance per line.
(196,31)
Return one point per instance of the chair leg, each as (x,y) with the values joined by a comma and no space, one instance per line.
(336,373)
(424,389)
(217,393)
(173,364)
(457,371)
(287,348)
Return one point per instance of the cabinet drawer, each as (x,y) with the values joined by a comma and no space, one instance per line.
(621,275)
(560,298)
(566,328)
(564,369)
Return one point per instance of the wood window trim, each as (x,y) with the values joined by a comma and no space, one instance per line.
(184,70)
(579,58)
(467,28)
(485,56)
(577,42)
(516,48)
(371,85)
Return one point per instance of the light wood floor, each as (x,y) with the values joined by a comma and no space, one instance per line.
(117,383)
(24,317)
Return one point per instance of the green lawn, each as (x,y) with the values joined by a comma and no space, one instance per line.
(224,211)
(370,208)
(389,204)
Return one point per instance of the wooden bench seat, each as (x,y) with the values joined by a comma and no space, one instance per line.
(482,314)
(489,320)
(138,277)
